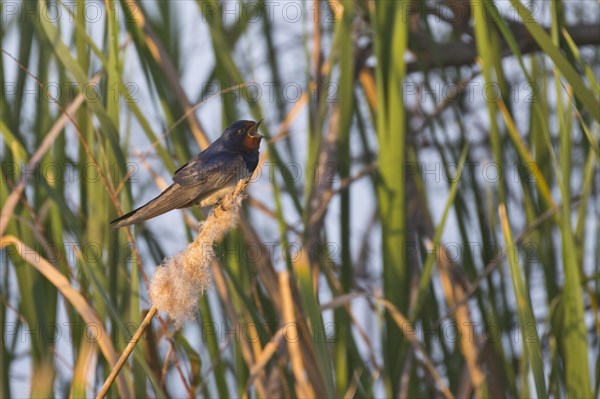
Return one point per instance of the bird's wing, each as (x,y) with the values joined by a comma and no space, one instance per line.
(210,172)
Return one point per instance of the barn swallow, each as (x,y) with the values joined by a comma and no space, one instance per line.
(208,177)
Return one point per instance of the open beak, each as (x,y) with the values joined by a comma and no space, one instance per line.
(253,131)
(253,138)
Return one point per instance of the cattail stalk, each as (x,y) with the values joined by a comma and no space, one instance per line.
(180,280)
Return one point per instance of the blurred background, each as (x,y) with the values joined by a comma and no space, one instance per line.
(424,221)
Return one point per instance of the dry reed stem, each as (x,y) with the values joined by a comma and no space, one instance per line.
(125,355)
(179,282)
(181,279)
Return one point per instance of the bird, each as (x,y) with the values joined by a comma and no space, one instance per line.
(208,177)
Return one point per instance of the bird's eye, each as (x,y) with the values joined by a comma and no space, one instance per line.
(239,131)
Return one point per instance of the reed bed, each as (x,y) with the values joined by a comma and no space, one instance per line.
(424,221)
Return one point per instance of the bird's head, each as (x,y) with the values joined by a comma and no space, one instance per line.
(243,135)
